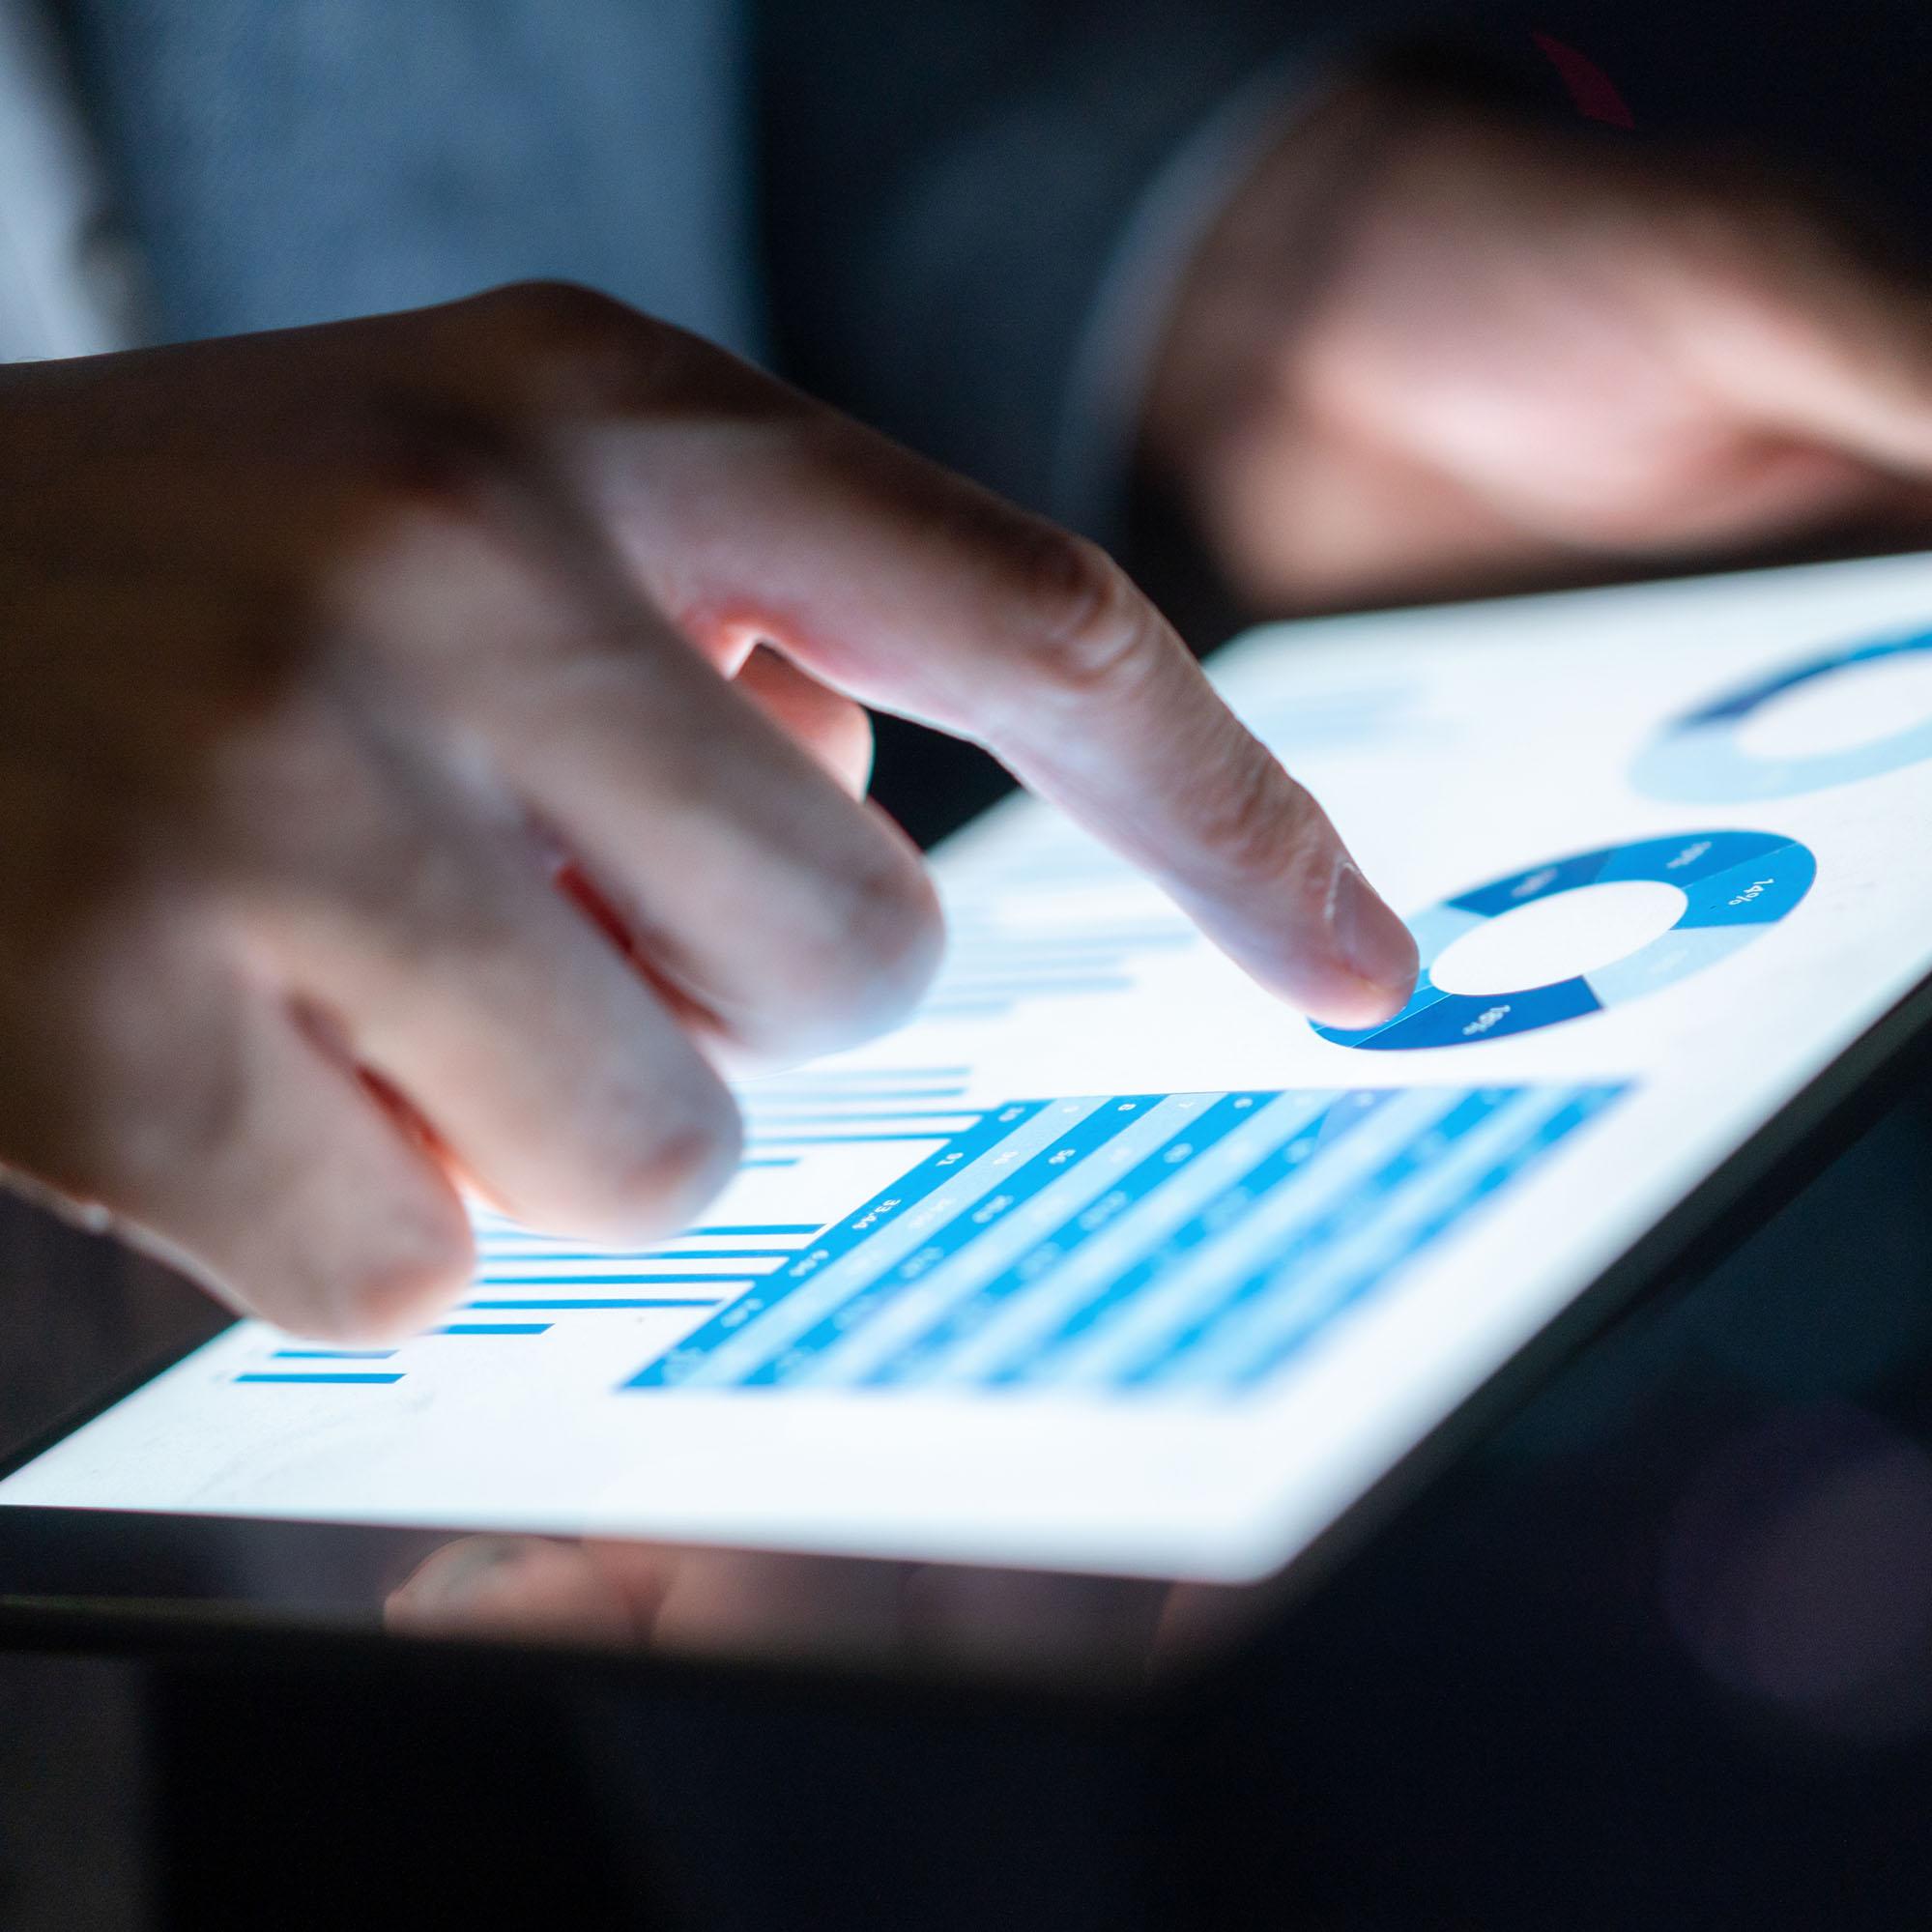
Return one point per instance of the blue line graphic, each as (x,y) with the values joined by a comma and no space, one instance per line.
(544,1256)
(773,1116)
(825,1139)
(333,1354)
(591,1302)
(625,1279)
(261,1375)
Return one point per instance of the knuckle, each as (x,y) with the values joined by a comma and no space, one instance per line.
(564,346)
(1092,630)
(561,315)
(437,476)
(549,349)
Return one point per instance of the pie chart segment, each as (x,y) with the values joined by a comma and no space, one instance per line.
(1735,886)
(1679,953)
(1759,892)
(1684,859)
(1543,882)
(1466,1018)
(1702,758)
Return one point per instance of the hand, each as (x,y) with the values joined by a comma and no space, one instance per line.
(326,654)
(1426,352)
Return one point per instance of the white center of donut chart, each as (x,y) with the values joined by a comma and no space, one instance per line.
(1857,706)
(1558,939)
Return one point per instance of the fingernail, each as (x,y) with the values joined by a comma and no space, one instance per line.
(1377,945)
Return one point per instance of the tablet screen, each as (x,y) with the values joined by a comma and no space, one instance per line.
(1109,1261)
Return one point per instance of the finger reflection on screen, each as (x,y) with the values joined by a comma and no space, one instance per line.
(614,1595)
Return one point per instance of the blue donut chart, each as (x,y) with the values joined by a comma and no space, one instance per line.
(1735,886)
(1698,761)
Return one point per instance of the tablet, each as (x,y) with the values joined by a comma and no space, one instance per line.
(1110,1264)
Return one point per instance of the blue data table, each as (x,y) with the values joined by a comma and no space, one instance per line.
(1128,1245)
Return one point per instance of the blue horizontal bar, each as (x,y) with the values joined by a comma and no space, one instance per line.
(333,1354)
(611,1280)
(314,1375)
(709,1254)
(764,1228)
(643,1255)
(819,1139)
(787,1161)
(776,1117)
(493,1328)
(813,1096)
(594,1301)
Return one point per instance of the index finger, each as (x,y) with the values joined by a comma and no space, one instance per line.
(926,596)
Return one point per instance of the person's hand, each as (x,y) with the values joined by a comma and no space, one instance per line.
(377,810)
(1428,351)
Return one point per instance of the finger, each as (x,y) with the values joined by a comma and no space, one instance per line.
(835,731)
(919,596)
(760,891)
(522,1587)
(190,1108)
(761,895)
(536,1054)
(746,511)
